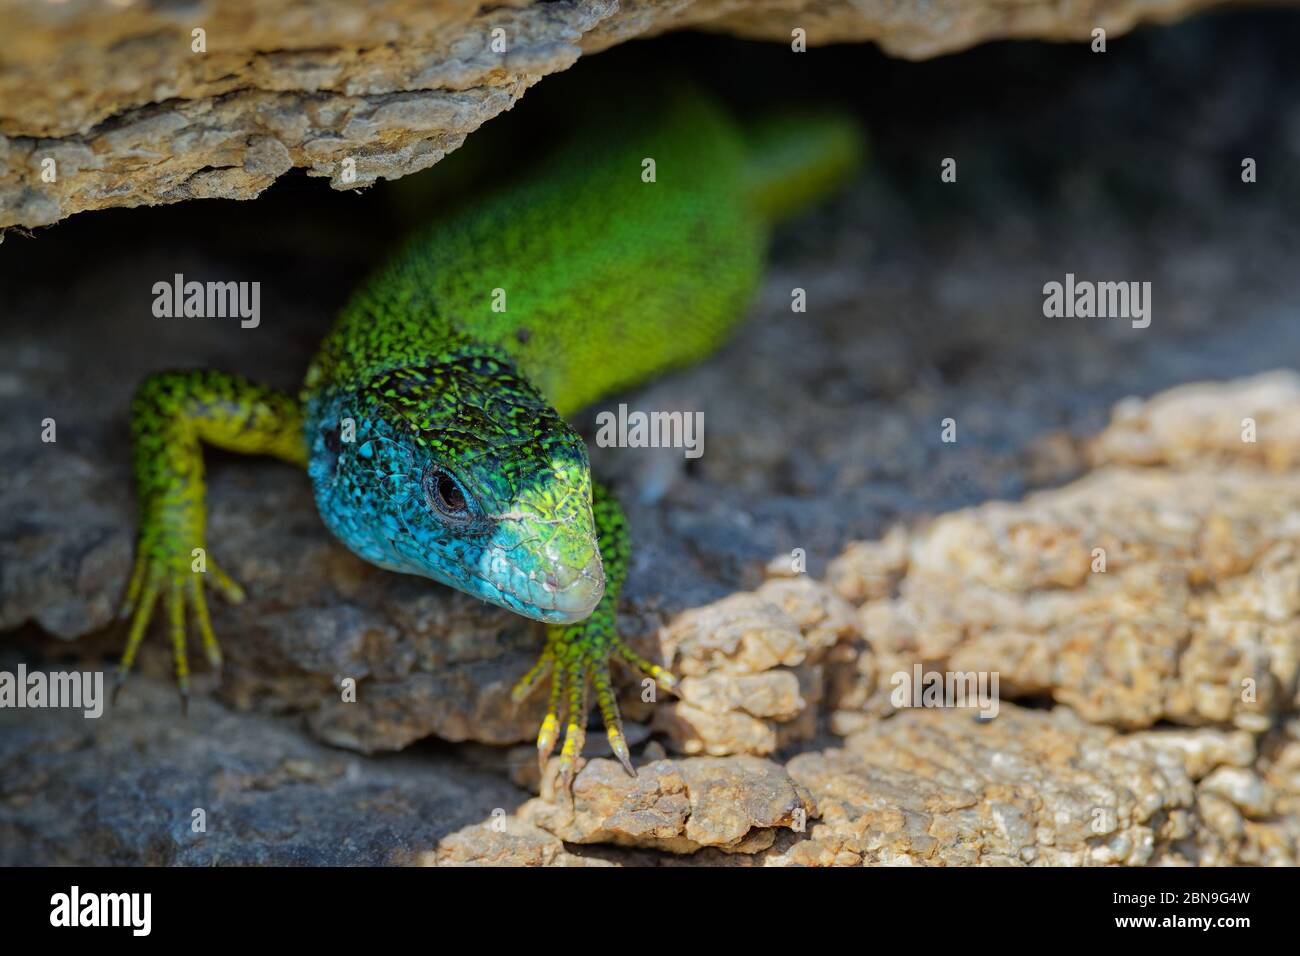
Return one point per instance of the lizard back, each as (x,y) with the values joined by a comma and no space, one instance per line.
(633,248)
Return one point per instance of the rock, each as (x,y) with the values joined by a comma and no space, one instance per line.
(1198,751)
(1221,818)
(1242,788)
(924,787)
(1250,814)
(938,788)
(136,116)
(732,804)
(750,666)
(870,570)
(1281,774)
(521,761)
(1195,618)
(269,794)
(783,623)
(1248,420)
(512,842)
(133,108)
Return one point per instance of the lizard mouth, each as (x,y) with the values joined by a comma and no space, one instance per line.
(563,598)
(545,568)
(557,596)
(580,596)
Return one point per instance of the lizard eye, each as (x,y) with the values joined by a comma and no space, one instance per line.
(445,495)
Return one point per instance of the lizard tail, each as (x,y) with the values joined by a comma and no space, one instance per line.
(796,160)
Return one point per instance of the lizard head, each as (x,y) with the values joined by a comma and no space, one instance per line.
(462,473)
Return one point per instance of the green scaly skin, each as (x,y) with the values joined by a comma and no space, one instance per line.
(431,421)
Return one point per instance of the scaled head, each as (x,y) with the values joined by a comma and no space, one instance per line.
(460,472)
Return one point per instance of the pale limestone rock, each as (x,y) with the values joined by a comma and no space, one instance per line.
(118,96)
(133,116)
(784,623)
(511,842)
(1242,788)
(1209,422)
(751,667)
(1196,618)
(1250,815)
(1221,818)
(1199,751)
(869,570)
(733,804)
(935,787)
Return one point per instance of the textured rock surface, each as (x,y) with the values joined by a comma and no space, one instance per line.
(1132,595)
(732,804)
(123,790)
(1250,421)
(938,788)
(131,114)
(512,842)
(752,667)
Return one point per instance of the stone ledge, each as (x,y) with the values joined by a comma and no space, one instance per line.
(131,116)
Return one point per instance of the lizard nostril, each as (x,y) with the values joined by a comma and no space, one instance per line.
(553,581)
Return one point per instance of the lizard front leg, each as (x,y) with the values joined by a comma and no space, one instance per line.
(171,414)
(578,656)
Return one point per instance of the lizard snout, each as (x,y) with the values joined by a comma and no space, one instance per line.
(574,592)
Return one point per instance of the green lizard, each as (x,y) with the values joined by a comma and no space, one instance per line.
(431,420)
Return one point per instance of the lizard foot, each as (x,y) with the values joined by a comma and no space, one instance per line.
(174,580)
(577,657)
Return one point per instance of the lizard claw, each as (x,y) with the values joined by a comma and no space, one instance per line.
(578,659)
(172,580)
(619,746)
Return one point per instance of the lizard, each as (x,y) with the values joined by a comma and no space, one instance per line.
(432,422)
